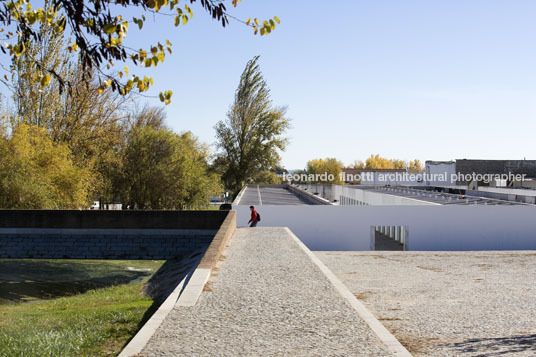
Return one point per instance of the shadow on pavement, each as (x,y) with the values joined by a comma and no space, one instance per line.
(497,346)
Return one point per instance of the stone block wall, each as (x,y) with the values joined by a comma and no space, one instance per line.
(101,244)
(106,234)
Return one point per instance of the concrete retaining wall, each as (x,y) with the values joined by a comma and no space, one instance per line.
(365,197)
(430,227)
(106,234)
(101,244)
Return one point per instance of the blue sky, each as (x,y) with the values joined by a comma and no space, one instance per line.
(439,80)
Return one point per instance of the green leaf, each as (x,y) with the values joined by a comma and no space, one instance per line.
(189,10)
(45,80)
(18,49)
(167,96)
(109,28)
(138,22)
(31,17)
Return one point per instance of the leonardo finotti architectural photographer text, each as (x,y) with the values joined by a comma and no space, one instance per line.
(402,176)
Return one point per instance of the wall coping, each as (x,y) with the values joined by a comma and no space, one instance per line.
(126,219)
(111,231)
(219,242)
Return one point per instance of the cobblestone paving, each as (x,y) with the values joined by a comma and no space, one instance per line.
(268,299)
(447,303)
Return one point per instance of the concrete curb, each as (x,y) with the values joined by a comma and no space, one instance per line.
(194,288)
(143,336)
(309,196)
(239,196)
(376,326)
(259,194)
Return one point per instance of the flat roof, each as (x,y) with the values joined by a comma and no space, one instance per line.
(347,169)
(435,197)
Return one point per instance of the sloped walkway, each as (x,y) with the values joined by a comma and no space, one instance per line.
(277,196)
(268,299)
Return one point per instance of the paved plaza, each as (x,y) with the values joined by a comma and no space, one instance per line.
(447,303)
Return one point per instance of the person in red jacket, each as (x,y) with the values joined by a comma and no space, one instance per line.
(254,217)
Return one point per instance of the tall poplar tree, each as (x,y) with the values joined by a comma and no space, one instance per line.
(251,137)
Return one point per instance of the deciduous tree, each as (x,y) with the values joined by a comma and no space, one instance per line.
(165,170)
(378,162)
(89,121)
(99,29)
(37,173)
(250,139)
(358,164)
(326,167)
(267,177)
(415,166)
(148,116)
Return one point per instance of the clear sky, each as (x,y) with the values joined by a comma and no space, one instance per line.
(439,80)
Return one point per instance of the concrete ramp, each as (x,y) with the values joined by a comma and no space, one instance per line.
(259,195)
(270,298)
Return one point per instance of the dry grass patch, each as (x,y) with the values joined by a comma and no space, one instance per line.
(364,295)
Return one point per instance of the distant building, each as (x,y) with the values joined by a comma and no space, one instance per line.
(480,173)
(505,168)
(440,173)
(511,180)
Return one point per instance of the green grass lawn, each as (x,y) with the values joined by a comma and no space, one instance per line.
(212,208)
(93,323)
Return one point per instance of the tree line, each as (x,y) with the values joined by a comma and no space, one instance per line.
(64,149)
(334,167)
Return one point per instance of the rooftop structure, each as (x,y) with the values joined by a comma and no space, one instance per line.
(497,167)
(440,198)
(387,195)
